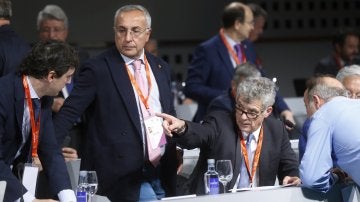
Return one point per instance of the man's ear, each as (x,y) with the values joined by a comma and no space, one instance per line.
(268,111)
(51,76)
(318,102)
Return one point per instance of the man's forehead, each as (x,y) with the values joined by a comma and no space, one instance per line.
(249,103)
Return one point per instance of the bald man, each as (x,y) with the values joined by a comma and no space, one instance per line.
(333,138)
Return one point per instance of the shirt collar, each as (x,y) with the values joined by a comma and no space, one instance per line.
(231,42)
(128,60)
(256,133)
(33,94)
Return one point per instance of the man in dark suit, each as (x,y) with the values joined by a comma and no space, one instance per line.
(345,53)
(214,61)
(223,135)
(12,48)
(117,111)
(26,136)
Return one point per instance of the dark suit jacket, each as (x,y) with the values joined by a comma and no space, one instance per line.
(12,50)
(114,145)
(11,117)
(211,72)
(217,139)
(328,65)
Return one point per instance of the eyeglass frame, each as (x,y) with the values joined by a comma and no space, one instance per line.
(133,32)
(253,115)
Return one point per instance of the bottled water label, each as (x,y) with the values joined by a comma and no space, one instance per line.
(213,185)
(81,196)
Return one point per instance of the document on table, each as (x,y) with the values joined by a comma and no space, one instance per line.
(261,188)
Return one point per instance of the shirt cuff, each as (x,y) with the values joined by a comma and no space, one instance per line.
(67,195)
(28,197)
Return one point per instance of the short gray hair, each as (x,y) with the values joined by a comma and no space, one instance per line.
(5,9)
(52,12)
(320,87)
(134,7)
(253,89)
(353,70)
(245,70)
(257,10)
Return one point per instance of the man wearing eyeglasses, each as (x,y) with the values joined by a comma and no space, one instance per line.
(257,146)
(119,92)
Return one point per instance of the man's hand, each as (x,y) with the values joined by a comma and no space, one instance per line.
(288,115)
(69,153)
(291,180)
(57,104)
(171,124)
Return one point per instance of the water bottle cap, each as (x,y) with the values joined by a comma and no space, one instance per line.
(211,161)
(83,173)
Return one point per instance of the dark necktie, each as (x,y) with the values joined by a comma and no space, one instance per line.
(239,52)
(36,106)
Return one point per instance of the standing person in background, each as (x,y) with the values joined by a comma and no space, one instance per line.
(214,61)
(281,110)
(12,48)
(119,91)
(345,52)
(26,125)
(152,47)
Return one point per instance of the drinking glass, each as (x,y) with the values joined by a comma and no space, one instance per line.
(225,171)
(92,183)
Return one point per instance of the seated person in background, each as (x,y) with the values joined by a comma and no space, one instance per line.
(350,78)
(227,100)
(223,135)
(152,46)
(346,49)
(333,137)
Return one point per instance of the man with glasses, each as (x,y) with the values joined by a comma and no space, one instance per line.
(119,92)
(257,146)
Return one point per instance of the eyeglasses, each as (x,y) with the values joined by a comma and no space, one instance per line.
(134,32)
(249,115)
(52,29)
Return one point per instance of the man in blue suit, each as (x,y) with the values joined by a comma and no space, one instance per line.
(117,111)
(12,48)
(26,136)
(214,61)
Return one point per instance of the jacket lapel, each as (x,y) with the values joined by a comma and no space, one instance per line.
(19,101)
(120,77)
(225,57)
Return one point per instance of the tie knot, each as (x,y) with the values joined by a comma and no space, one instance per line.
(137,64)
(250,138)
(237,47)
(36,103)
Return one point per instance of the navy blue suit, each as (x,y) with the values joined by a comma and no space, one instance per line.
(12,50)
(114,145)
(211,72)
(11,117)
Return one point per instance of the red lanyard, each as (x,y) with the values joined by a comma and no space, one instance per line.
(256,156)
(35,127)
(144,99)
(231,50)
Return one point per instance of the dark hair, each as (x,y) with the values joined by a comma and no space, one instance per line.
(5,9)
(232,12)
(257,10)
(49,56)
(342,33)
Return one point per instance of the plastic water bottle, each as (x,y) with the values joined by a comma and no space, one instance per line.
(211,179)
(81,194)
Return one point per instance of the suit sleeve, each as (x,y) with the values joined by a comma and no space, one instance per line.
(288,165)
(14,189)
(80,98)
(50,155)
(198,74)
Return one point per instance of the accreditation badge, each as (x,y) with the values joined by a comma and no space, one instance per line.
(154,130)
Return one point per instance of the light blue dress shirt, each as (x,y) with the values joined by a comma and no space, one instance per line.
(333,141)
